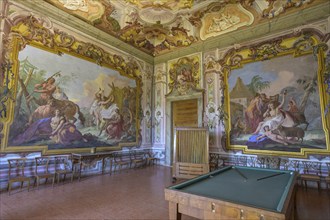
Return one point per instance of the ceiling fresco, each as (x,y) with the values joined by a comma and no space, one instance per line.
(160,26)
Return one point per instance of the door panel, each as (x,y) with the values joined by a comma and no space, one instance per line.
(185,113)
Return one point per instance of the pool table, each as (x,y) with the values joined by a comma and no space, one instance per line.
(235,192)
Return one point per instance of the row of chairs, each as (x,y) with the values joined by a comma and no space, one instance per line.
(134,158)
(63,166)
(17,171)
(309,171)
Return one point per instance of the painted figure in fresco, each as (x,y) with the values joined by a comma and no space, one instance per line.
(254,113)
(294,112)
(268,133)
(75,5)
(185,76)
(46,90)
(272,117)
(63,130)
(56,123)
(239,127)
(95,109)
(115,126)
(107,111)
(59,94)
(223,23)
(47,103)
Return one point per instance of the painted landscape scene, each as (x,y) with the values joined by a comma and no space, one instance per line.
(66,102)
(275,105)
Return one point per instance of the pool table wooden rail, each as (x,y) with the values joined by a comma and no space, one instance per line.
(208,208)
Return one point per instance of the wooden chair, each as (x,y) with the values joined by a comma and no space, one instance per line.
(240,160)
(16,173)
(151,158)
(327,178)
(214,161)
(312,172)
(41,170)
(273,162)
(137,158)
(252,162)
(261,162)
(120,160)
(294,165)
(284,163)
(63,167)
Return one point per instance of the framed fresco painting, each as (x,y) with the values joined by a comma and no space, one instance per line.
(65,102)
(276,97)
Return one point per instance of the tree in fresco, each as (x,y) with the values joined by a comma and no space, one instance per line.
(256,85)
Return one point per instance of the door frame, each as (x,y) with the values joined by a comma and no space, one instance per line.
(170,98)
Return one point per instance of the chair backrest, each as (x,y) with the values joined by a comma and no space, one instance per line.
(294,165)
(328,166)
(121,157)
(16,167)
(311,167)
(284,163)
(149,153)
(41,164)
(252,162)
(136,154)
(62,163)
(273,162)
(261,162)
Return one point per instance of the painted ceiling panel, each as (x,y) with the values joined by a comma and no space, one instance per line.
(160,26)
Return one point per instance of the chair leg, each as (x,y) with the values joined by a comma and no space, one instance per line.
(38,182)
(58,178)
(71,177)
(53,180)
(9,187)
(28,185)
(22,184)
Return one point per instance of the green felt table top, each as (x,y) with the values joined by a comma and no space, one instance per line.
(261,188)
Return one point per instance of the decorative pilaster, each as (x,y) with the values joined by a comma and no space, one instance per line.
(159,106)
(146,103)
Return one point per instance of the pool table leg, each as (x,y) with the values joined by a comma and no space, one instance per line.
(174,211)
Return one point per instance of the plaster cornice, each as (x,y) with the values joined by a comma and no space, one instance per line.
(43,8)
(273,26)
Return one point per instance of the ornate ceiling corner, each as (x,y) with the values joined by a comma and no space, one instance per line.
(228,19)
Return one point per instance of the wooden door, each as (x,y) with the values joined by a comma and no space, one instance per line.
(185,113)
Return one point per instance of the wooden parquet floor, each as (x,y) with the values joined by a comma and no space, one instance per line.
(131,194)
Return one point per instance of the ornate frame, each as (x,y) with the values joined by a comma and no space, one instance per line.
(33,31)
(306,42)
